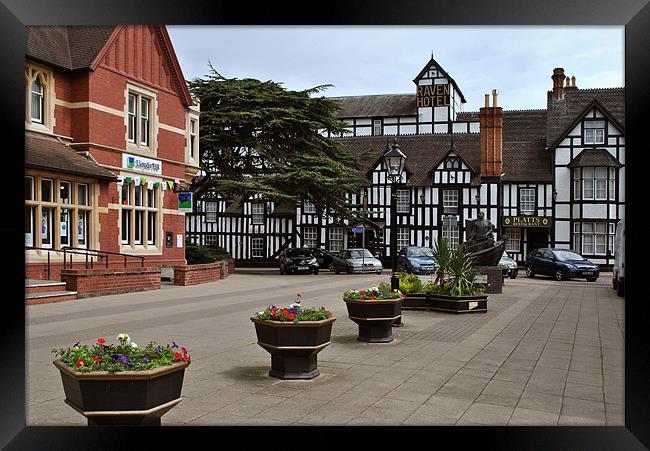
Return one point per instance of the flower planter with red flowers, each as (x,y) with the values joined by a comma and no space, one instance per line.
(123,384)
(293,336)
(374,312)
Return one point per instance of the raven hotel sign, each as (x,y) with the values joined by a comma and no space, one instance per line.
(526,221)
(433,95)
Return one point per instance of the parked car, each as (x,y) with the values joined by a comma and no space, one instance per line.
(294,260)
(561,264)
(323,257)
(355,261)
(416,260)
(618,271)
(509,265)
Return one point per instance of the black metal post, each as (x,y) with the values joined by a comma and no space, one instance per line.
(394,279)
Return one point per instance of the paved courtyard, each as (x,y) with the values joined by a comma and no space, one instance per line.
(545,353)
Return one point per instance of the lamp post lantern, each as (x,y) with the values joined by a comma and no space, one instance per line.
(393,161)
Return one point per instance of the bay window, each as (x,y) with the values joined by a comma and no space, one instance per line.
(594,183)
(593,238)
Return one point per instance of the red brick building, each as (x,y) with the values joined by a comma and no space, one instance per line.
(111,136)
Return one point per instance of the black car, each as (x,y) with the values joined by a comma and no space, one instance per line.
(294,260)
(561,264)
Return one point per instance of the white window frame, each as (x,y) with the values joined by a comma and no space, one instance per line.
(145,128)
(308,207)
(337,236)
(139,221)
(43,120)
(451,232)
(377,129)
(450,198)
(514,239)
(194,135)
(310,237)
(257,247)
(257,213)
(527,201)
(594,132)
(141,123)
(594,238)
(40,104)
(403,201)
(403,238)
(600,181)
(211,209)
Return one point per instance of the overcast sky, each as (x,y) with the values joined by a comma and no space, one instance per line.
(518,61)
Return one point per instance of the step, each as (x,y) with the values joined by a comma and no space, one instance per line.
(46,298)
(33,286)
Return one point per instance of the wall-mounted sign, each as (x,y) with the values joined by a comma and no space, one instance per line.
(185,201)
(527,221)
(433,95)
(141,164)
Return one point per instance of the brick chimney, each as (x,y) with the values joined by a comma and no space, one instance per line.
(558,83)
(570,84)
(491,123)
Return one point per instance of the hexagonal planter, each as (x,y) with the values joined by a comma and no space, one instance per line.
(123,398)
(293,346)
(375,318)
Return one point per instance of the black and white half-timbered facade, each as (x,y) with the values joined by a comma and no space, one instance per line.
(545,177)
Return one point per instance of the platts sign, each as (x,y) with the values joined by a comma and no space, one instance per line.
(141,164)
(527,221)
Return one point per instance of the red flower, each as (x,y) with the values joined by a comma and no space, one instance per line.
(101,341)
(372,296)
(362,293)
(187,358)
(291,316)
(97,359)
(178,356)
(184,350)
(80,363)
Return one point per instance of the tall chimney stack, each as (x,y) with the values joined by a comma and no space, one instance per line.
(558,83)
(491,123)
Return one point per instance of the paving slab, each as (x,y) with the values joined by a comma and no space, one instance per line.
(545,353)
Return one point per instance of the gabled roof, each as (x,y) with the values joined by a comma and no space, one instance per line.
(376,106)
(79,48)
(421,151)
(453,82)
(48,154)
(564,114)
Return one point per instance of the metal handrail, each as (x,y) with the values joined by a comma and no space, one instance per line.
(100,254)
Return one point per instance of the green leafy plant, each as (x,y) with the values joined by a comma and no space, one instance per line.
(294,313)
(459,276)
(373,294)
(409,283)
(196,255)
(125,356)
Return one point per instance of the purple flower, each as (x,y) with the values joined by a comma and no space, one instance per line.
(146,359)
(121,358)
(174,345)
(76,344)
(158,349)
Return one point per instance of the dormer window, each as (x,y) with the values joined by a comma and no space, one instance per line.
(594,132)
(38,95)
(376,127)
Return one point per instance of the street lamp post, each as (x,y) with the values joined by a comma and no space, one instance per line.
(393,161)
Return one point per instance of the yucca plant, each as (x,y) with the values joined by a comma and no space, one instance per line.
(442,253)
(460,274)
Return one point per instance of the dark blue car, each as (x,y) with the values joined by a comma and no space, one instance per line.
(561,264)
(416,260)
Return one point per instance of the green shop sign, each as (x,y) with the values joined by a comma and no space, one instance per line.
(185,201)
(527,221)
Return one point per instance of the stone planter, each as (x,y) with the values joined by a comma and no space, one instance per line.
(123,398)
(293,346)
(375,318)
(443,303)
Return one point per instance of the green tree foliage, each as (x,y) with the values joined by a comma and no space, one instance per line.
(259,137)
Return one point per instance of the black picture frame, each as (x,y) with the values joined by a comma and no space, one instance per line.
(633,14)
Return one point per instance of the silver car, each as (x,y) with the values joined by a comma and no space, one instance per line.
(355,261)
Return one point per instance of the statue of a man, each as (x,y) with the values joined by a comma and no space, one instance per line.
(481,229)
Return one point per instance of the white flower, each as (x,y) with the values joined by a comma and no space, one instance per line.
(134,344)
(260,313)
(124,338)
(295,305)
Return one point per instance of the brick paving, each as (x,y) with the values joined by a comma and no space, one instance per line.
(545,353)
